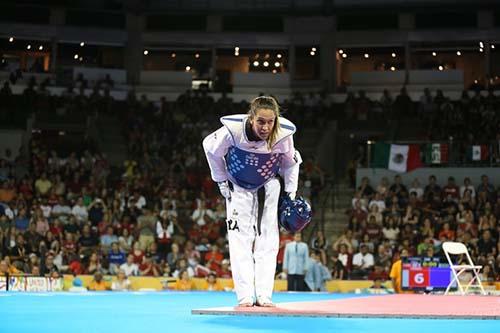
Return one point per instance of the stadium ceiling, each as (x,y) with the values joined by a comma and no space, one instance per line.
(295,7)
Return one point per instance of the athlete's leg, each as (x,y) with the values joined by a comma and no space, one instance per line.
(241,235)
(267,244)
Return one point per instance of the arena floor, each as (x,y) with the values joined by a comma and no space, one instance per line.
(171,312)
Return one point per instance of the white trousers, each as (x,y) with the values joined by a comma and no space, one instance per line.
(253,256)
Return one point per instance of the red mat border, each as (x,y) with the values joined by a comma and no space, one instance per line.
(286,312)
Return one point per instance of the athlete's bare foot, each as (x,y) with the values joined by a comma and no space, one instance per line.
(246,302)
(264,302)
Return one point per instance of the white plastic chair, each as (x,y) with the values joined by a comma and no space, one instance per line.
(455,248)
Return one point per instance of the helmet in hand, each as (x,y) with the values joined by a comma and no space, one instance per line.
(294,215)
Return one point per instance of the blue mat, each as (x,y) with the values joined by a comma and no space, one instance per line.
(164,312)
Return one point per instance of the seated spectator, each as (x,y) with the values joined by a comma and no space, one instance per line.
(181,267)
(184,282)
(467,186)
(148,267)
(362,263)
(415,187)
(98,284)
(212,283)
(378,202)
(116,258)
(130,268)
(108,239)
(213,258)
(451,190)
(202,215)
(225,270)
(122,283)
(80,211)
(338,269)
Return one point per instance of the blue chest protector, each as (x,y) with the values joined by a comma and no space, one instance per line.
(251,170)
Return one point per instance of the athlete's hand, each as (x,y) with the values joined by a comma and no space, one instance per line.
(292,195)
(224,189)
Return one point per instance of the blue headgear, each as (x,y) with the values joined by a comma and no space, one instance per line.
(294,215)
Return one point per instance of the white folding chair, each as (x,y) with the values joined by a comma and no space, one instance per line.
(456,249)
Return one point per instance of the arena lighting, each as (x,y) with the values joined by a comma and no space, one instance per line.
(481,50)
(40,47)
(481,45)
(82,44)
(28,47)
(367,55)
(197,55)
(434,54)
(146,52)
(393,55)
(459,53)
(75,56)
(276,64)
(173,55)
(188,68)
(341,51)
(493,46)
(344,55)
(236,48)
(62,133)
(11,39)
(313,49)
(265,63)
(393,68)
(440,68)
(312,53)
(256,63)
(279,55)
(475,81)
(369,142)
(275,71)
(81,58)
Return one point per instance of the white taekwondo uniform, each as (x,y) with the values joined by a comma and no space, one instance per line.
(252,219)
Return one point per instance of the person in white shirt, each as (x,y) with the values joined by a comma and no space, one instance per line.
(378,201)
(362,263)
(80,211)
(130,268)
(61,210)
(201,215)
(122,282)
(415,187)
(467,186)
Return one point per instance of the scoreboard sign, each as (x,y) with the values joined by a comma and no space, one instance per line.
(425,273)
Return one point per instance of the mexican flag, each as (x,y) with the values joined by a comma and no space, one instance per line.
(399,158)
(436,153)
(478,152)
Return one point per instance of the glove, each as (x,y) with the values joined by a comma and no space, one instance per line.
(224,189)
(292,195)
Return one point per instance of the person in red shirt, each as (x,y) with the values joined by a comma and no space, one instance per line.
(213,258)
(451,189)
(225,270)
(446,233)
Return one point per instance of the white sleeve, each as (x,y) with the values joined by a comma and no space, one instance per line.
(290,165)
(216,146)
(159,229)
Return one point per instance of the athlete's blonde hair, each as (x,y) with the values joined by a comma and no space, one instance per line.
(266,102)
